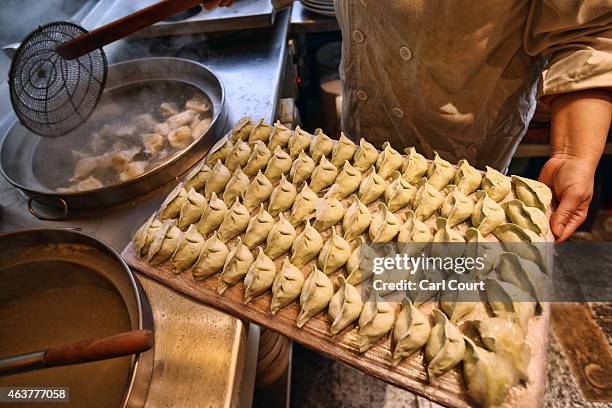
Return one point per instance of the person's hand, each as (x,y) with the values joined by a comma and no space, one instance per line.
(571,181)
(211,4)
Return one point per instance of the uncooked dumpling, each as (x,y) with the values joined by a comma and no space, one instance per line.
(372,186)
(164,244)
(531,218)
(457,207)
(306,246)
(522,273)
(334,254)
(467,178)
(192,209)
(221,153)
(301,169)
(344,307)
(188,250)
(487,213)
(532,193)
(280,238)
(505,298)
(458,304)
(258,160)
(180,137)
(496,184)
(279,164)
(356,220)
(399,193)
(279,137)
(388,161)
(144,236)
(242,129)
(415,234)
(171,207)
(410,332)
(427,200)
(415,166)
(238,156)
(384,226)
(523,242)
(343,150)
(259,227)
(321,145)
(315,296)
(235,221)
(365,155)
(217,179)
(323,175)
(287,286)
(346,183)
(328,212)
(375,321)
(236,266)
(447,242)
(282,197)
(478,246)
(259,191)
(259,277)
(303,206)
(211,258)
(299,141)
(440,172)
(197,178)
(212,216)
(445,346)
(236,186)
(360,258)
(260,132)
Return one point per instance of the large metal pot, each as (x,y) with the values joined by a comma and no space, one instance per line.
(20,151)
(58,286)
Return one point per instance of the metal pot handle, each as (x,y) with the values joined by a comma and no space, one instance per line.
(43,217)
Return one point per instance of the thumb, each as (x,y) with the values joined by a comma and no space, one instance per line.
(569,203)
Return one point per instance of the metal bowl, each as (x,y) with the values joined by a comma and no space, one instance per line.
(18,157)
(59,286)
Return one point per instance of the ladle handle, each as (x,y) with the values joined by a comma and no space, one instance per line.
(123,27)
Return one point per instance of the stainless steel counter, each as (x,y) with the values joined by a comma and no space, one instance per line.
(250,64)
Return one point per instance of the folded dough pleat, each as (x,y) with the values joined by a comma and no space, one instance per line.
(280,239)
(508,299)
(487,213)
(440,172)
(236,186)
(467,178)
(259,277)
(259,191)
(388,161)
(315,296)
(212,216)
(415,166)
(238,156)
(287,286)
(211,258)
(334,254)
(280,163)
(533,193)
(344,307)
(306,246)
(299,141)
(221,153)
(171,207)
(236,266)
(328,212)
(375,321)
(197,178)
(188,250)
(259,227)
(164,244)
(301,169)
(400,192)
(323,175)
(279,137)
(356,220)
(217,179)
(258,160)
(242,129)
(260,132)
(282,197)
(346,183)
(372,186)
(365,155)
(496,184)
(192,209)
(384,226)
(410,332)
(143,237)
(457,207)
(321,145)
(343,150)
(235,221)
(445,346)
(531,218)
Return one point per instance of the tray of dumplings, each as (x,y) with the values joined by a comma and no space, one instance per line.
(271,227)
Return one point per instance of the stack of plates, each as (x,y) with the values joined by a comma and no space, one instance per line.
(323,7)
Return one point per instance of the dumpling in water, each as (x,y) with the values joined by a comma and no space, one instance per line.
(334,254)
(531,218)
(344,307)
(488,376)
(260,131)
(321,145)
(347,182)
(168,109)
(384,226)
(217,179)
(282,197)
(236,266)
(221,153)
(400,192)
(212,216)
(279,164)
(306,246)
(496,184)
(487,213)
(197,178)
(279,137)
(171,207)
(356,219)
(133,169)
(467,178)
(280,238)
(287,286)
(212,258)
(181,119)
(198,103)
(259,227)
(301,169)
(259,191)
(388,161)
(415,166)
(303,206)
(457,207)
(315,296)
(323,175)
(164,244)
(445,347)
(242,129)
(192,209)
(410,332)
(259,277)
(235,221)
(188,250)
(238,156)
(360,258)
(532,193)
(144,236)
(372,186)
(343,150)
(365,155)
(153,143)
(328,212)
(299,141)
(440,172)
(375,321)
(415,233)
(258,160)
(180,137)
(199,127)
(236,186)
(122,158)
